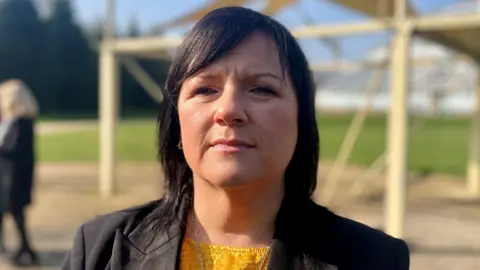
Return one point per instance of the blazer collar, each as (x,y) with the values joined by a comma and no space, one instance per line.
(147,248)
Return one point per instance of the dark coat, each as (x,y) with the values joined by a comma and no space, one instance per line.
(17,160)
(307,236)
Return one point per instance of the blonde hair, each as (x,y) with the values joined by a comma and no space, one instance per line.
(16,100)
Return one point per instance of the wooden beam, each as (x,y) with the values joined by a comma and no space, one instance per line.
(369,64)
(152,88)
(143,44)
(364,27)
(446,22)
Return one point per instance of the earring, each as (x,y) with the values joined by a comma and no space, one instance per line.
(180,146)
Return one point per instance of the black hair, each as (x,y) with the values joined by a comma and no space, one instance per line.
(212,37)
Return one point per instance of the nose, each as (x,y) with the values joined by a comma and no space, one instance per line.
(231,109)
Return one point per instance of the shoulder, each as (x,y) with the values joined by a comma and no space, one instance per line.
(19,123)
(369,243)
(95,235)
(357,245)
(124,219)
(24,121)
(94,239)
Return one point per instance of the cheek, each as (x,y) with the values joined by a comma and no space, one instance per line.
(189,125)
(280,131)
(193,127)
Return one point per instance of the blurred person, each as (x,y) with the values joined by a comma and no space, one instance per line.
(18,109)
(239,147)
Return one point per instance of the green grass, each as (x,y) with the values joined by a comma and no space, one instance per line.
(439,146)
(125,114)
(135,142)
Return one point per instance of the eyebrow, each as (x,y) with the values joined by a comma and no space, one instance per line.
(264,74)
(215,75)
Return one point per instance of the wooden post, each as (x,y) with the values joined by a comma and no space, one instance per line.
(473,174)
(398,124)
(108,97)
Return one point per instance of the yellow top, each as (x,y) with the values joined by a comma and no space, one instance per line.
(218,257)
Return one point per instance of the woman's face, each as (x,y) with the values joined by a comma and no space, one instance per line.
(238,117)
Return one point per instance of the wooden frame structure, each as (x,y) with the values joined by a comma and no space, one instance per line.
(458,32)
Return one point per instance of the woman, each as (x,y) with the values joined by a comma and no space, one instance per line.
(18,109)
(238,143)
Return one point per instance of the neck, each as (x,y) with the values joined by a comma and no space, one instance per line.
(242,217)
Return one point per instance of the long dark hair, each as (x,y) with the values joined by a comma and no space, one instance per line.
(212,37)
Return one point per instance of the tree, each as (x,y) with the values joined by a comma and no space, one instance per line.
(133,28)
(22,45)
(94,33)
(72,60)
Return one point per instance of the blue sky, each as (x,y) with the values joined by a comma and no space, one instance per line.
(153,12)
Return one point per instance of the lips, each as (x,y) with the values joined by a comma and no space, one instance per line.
(230,145)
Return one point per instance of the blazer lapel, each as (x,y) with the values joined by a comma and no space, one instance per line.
(147,248)
(292,247)
(280,259)
(117,258)
(162,255)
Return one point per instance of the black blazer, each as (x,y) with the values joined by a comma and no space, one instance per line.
(307,236)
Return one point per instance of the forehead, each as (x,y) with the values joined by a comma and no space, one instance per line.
(256,53)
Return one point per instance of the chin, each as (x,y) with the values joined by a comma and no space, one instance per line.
(231,182)
(230,178)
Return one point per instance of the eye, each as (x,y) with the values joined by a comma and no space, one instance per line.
(263,90)
(204,91)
